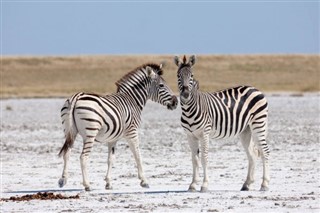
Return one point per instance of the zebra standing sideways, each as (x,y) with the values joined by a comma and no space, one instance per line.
(112,117)
(240,111)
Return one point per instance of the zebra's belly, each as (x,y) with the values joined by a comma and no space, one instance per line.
(102,129)
(224,133)
(103,138)
(102,134)
(214,133)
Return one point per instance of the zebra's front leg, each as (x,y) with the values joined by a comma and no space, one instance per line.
(87,146)
(134,147)
(64,177)
(194,146)
(111,150)
(204,161)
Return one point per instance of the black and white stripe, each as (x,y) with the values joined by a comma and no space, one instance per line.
(110,118)
(241,110)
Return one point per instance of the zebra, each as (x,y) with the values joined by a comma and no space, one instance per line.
(112,117)
(241,110)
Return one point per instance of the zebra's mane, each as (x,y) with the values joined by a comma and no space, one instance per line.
(129,75)
(184,63)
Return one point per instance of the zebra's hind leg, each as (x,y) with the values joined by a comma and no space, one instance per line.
(265,152)
(134,147)
(266,175)
(111,150)
(64,177)
(87,146)
(194,146)
(260,134)
(250,149)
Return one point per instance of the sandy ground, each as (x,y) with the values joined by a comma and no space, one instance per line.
(31,136)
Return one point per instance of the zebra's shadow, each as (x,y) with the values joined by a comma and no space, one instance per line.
(116,192)
(95,191)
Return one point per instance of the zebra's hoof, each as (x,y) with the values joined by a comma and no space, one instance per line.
(264,188)
(108,186)
(245,187)
(192,189)
(87,188)
(204,189)
(62,182)
(144,184)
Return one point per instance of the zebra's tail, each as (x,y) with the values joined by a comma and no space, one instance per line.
(68,121)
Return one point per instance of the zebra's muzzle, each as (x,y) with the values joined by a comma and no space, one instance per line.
(185,93)
(174,103)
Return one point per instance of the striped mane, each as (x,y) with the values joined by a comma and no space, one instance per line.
(184,63)
(129,76)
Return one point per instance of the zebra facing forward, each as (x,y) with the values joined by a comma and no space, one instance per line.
(112,117)
(236,111)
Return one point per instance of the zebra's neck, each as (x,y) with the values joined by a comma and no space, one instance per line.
(136,89)
(136,97)
(191,103)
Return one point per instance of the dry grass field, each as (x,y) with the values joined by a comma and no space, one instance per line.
(62,76)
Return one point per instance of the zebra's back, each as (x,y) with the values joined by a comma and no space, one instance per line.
(232,110)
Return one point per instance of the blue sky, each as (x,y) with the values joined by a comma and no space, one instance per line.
(153,27)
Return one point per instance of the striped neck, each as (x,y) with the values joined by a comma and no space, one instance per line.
(191,102)
(136,86)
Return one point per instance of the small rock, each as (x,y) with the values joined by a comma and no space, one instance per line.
(213,210)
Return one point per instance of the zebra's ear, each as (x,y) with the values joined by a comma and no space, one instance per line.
(162,65)
(177,60)
(150,72)
(192,60)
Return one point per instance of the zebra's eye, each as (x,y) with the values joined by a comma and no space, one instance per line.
(161,85)
(191,75)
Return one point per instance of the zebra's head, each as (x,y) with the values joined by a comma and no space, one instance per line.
(159,91)
(185,76)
